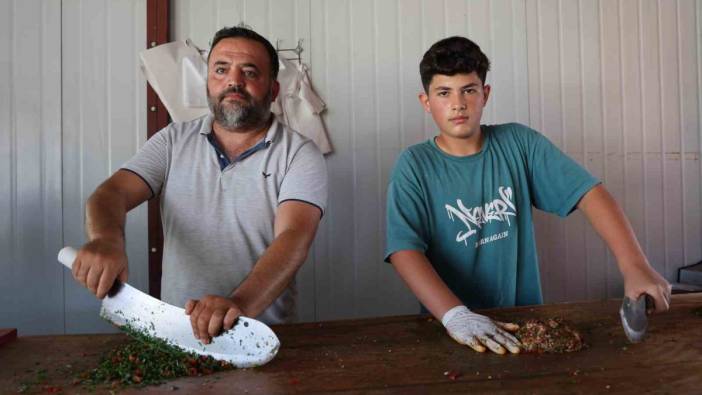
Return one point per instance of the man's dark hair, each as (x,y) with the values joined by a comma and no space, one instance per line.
(242,32)
(451,56)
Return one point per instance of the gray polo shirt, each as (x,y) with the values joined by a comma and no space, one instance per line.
(217,222)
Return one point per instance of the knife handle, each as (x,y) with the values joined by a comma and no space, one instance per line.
(650,303)
(67,256)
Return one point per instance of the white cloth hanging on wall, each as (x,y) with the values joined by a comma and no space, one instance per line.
(177,71)
(298,106)
(194,81)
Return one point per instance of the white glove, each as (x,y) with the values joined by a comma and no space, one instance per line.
(478,331)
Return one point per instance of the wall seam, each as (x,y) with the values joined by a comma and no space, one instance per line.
(698,48)
(13,137)
(662,140)
(603,106)
(399,77)
(681,116)
(583,143)
(61,164)
(108,84)
(378,151)
(622,107)
(316,247)
(352,130)
(563,227)
(642,104)
(491,30)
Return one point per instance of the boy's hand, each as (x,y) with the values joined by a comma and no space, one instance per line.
(643,279)
(478,331)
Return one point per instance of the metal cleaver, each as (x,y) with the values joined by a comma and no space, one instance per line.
(249,343)
(633,315)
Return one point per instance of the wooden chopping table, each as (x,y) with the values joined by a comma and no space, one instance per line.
(411,355)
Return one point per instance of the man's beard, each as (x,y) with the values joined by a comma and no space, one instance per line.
(237,115)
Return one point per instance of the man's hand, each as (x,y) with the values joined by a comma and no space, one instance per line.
(98,263)
(210,315)
(642,279)
(478,331)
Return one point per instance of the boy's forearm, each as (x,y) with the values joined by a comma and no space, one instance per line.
(610,222)
(419,275)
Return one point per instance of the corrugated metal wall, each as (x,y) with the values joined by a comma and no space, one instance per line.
(31,285)
(613,83)
(616,85)
(104,123)
(72,109)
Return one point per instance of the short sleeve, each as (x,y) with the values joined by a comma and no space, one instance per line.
(557,181)
(407,217)
(306,177)
(151,161)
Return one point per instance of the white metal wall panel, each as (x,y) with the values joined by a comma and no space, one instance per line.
(337,264)
(104,123)
(616,85)
(31,286)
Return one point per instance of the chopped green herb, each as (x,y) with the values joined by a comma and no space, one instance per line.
(145,360)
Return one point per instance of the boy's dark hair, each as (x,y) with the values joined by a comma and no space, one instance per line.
(451,56)
(242,32)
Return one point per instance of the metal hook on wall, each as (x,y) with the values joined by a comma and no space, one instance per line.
(297,50)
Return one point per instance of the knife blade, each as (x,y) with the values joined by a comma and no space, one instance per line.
(249,343)
(634,318)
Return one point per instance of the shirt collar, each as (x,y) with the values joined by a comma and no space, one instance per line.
(222,159)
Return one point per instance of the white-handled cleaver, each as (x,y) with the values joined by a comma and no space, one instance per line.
(249,343)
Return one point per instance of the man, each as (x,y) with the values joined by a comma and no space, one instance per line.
(241,198)
(460,230)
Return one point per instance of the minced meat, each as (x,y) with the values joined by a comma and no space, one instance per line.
(552,335)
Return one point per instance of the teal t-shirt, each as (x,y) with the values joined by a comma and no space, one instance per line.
(471,216)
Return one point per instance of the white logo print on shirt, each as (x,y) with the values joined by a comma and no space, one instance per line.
(497,210)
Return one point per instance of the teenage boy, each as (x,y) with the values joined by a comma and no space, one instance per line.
(459,221)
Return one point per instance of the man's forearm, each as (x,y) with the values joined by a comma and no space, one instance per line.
(106,209)
(105,214)
(272,273)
